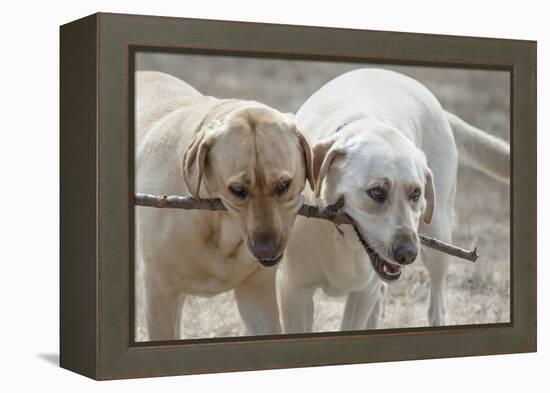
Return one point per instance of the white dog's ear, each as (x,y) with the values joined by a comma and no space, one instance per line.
(308,158)
(323,155)
(429,194)
(194,160)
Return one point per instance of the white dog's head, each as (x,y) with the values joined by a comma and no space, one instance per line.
(387,187)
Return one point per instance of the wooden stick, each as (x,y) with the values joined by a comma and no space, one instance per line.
(178,202)
(331,213)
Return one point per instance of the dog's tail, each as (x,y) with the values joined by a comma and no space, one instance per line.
(480,150)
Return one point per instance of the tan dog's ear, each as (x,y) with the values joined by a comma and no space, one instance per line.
(308,158)
(323,155)
(429,194)
(194,160)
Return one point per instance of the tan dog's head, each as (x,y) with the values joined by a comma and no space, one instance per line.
(257,161)
(387,187)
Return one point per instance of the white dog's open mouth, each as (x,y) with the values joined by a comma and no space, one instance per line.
(386,270)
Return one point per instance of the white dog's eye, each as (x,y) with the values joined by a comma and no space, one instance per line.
(378,194)
(415,195)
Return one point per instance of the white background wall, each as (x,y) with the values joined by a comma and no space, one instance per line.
(29,193)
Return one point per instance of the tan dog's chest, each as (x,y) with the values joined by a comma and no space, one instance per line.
(218,262)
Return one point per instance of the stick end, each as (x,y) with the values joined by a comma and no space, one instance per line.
(475,255)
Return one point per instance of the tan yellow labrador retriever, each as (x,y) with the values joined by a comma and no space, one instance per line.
(252,157)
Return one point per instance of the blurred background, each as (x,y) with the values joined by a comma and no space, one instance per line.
(476,293)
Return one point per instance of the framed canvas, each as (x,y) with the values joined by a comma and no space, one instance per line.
(149,109)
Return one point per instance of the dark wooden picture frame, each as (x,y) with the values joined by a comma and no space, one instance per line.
(97,335)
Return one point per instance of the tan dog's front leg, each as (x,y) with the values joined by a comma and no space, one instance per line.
(257,301)
(297,306)
(163,313)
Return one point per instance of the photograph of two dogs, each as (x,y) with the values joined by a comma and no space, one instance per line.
(410,150)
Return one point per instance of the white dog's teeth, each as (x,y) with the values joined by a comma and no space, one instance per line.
(389,271)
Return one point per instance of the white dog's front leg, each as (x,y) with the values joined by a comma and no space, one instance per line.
(437,268)
(375,318)
(437,264)
(359,306)
(257,302)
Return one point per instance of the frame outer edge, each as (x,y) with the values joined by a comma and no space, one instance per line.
(78,203)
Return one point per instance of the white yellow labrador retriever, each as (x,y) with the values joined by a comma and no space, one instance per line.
(383,142)
(252,157)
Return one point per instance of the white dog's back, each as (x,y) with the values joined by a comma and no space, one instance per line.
(385,95)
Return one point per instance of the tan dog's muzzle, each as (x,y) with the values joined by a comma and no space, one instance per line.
(266,247)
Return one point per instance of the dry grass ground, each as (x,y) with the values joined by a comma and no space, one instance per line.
(477,293)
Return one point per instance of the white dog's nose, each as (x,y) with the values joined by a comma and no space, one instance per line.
(405,253)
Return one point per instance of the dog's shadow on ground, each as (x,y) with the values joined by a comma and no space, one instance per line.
(52,358)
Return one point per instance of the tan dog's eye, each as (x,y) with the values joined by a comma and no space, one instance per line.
(282,187)
(238,191)
(415,195)
(378,194)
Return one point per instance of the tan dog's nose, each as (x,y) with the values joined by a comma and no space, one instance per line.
(405,253)
(267,249)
